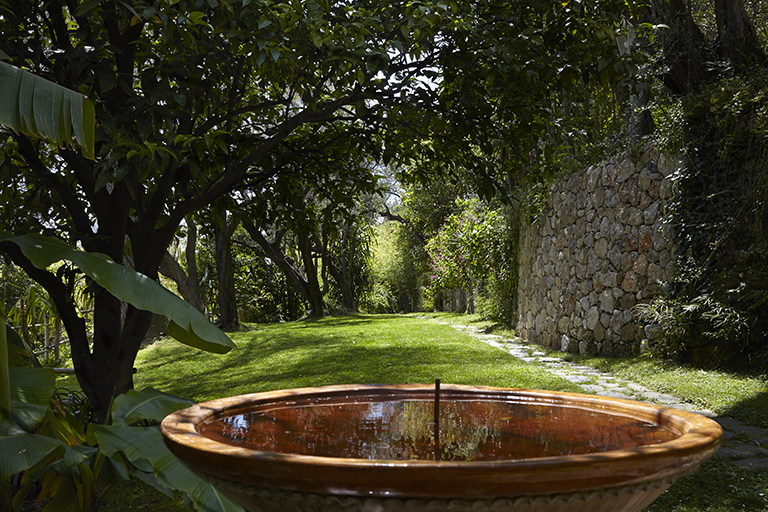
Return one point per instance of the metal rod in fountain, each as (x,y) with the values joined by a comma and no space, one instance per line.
(436,422)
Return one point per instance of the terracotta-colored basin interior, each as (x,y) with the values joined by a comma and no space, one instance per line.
(492,442)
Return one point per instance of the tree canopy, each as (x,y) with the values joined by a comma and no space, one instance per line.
(195,98)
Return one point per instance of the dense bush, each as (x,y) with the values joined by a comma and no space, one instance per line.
(476,250)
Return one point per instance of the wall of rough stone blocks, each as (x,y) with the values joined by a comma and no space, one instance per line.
(600,247)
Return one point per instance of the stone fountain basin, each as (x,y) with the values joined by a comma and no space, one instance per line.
(624,479)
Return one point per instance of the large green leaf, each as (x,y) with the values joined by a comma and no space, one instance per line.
(188,325)
(148,403)
(23,452)
(31,391)
(19,352)
(146,443)
(35,106)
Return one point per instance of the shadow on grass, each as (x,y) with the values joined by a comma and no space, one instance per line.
(718,486)
(753,410)
(309,360)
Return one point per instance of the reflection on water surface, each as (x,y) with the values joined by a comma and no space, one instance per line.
(477,430)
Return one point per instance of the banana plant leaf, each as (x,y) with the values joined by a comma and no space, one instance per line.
(187,325)
(31,391)
(146,443)
(35,106)
(19,353)
(148,403)
(22,452)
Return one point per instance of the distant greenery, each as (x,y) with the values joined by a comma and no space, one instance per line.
(361,349)
(394,265)
(476,249)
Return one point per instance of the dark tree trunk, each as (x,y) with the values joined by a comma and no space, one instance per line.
(316,305)
(683,46)
(188,287)
(191,256)
(225,269)
(738,41)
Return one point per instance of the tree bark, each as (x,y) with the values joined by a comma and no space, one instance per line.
(228,315)
(191,255)
(316,304)
(342,273)
(738,41)
(683,46)
(188,288)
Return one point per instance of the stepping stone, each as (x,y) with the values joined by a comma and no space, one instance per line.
(729,423)
(692,408)
(592,388)
(549,359)
(750,431)
(576,379)
(614,394)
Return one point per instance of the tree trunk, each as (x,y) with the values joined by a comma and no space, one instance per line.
(683,46)
(191,255)
(287,266)
(225,269)
(188,287)
(738,41)
(108,370)
(316,304)
(342,273)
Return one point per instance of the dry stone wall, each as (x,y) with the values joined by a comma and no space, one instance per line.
(600,247)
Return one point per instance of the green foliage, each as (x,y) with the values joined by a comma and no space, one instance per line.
(38,107)
(476,249)
(396,280)
(187,324)
(717,314)
(348,250)
(74,466)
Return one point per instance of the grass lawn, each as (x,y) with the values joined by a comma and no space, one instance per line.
(742,397)
(359,349)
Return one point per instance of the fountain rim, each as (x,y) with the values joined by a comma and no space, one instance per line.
(696,432)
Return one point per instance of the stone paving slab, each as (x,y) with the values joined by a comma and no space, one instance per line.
(746,444)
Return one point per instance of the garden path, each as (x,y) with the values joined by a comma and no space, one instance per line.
(746,445)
